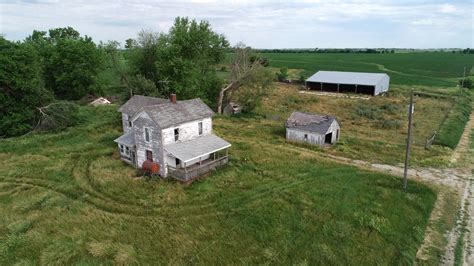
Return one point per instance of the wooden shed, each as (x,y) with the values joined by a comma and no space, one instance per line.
(312,128)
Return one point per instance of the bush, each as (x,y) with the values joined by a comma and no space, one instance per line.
(389,123)
(453,126)
(368,111)
(466,84)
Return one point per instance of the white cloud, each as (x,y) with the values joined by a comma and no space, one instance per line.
(336,23)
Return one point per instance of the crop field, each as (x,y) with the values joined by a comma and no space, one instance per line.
(423,69)
(66,198)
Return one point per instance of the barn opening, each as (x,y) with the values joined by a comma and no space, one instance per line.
(347,88)
(328,138)
(329,87)
(369,90)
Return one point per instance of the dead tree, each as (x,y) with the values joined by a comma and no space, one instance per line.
(241,69)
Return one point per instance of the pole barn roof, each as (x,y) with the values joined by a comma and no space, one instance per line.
(349,78)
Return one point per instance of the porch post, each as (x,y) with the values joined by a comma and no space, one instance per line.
(199,160)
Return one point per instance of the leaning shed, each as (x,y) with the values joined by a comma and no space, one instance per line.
(355,82)
(312,128)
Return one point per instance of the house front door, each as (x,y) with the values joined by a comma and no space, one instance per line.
(149,156)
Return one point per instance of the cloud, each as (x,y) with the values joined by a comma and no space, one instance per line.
(270,24)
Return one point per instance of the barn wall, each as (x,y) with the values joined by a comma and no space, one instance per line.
(298,136)
(333,128)
(383,85)
(187,131)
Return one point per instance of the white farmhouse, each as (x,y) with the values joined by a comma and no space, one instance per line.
(311,128)
(176,135)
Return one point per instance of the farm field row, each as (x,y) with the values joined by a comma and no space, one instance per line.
(423,69)
(74,201)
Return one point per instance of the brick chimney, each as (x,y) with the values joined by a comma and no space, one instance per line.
(173,98)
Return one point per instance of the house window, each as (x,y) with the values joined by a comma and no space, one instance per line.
(147,134)
(127,150)
(121,148)
(129,119)
(305,137)
(200,128)
(149,155)
(176,134)
(178,162)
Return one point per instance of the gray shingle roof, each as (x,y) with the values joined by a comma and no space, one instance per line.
(137,102)
(339,77)
(195,148)
(170,114)
(126,139)
(310,122)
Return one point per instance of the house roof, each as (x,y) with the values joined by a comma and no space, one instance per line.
(339,77)
(198,147)
(137,102)
(169,114)
(310,122)
(126,139)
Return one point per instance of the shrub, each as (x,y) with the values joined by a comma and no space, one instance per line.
(389,123)
(390,108)
(453,126)
(368,111)
(466,83)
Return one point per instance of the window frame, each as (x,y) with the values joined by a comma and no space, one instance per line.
(121,148)
(176,134)
(200,128)
(147,133)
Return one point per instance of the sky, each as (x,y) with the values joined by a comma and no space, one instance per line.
(260,24)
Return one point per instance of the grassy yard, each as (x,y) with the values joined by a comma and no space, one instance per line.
(373,129)
(423,69)
(66,198)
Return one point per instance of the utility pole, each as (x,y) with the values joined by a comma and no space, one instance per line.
(407,154)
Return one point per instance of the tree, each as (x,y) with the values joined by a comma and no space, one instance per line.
(283,74)
(466,83)
(21,87)
(111,48)
(181,61)
(70,63)
(129,43)
(142,86)
(252,78)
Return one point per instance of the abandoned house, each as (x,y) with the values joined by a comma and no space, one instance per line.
(232,108)
(312,128)
(353,82)
(176,136)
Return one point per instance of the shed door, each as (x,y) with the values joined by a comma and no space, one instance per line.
(149,156)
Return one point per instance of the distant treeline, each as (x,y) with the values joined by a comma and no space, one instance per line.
(361,51)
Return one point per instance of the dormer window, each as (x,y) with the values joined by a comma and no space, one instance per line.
(176,134)
(200,128)
(147,134)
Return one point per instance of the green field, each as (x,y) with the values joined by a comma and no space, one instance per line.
(66,198)
(424,69)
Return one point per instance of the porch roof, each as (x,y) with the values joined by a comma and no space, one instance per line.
(198,147)
(126,139)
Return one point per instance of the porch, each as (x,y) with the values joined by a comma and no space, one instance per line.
(188,173)
(190,159)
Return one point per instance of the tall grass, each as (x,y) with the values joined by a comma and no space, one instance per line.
(453,126)
(65,198)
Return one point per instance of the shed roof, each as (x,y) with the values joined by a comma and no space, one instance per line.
(310,122)
(137,102)
(169,114)
(339,77)
(195,148)
(126,139)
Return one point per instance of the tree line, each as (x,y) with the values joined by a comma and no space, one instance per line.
(41,76)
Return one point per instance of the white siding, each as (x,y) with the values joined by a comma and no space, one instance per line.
(298,136)
(187,131)
(383,85)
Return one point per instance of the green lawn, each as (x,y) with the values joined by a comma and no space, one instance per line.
(66,198)
(424,69)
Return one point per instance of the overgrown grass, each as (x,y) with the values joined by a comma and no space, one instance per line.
(66,198)
(453,126)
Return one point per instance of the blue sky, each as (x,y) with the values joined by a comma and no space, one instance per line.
(260,24)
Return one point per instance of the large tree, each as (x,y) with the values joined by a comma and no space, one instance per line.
(71,63)
(183,60)
(21,88)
